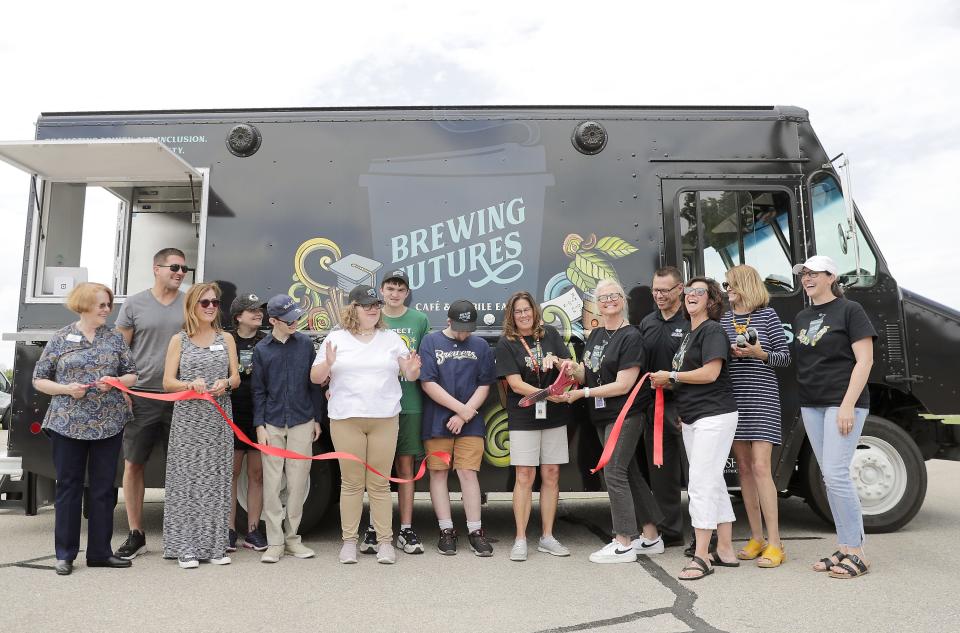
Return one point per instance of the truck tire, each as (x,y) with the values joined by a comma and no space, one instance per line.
(888,472)
(322,490)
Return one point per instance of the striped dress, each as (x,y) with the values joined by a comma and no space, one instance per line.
(196,511)
(754,381)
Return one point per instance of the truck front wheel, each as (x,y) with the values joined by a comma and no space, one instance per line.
(888,472)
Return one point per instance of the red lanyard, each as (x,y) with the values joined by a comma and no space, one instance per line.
(533,359)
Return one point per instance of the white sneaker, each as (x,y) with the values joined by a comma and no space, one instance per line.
(223,560)
(386,554)
(519,550)
(272,554)
(552,546)
(348,553)
(614,552)
(188,562)
(298,550)
(644,547)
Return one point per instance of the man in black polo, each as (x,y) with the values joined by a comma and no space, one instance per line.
(663,331)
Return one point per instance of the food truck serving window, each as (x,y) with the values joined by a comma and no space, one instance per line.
(103,207)
(738,227)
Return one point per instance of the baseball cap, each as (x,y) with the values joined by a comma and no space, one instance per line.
(246,301)
(817,263)
(396,275)
(284,307)
(363,295)
(463,316)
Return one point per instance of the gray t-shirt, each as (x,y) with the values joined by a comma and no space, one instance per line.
(154,324)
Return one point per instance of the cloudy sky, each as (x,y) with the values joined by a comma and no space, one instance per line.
(875,76)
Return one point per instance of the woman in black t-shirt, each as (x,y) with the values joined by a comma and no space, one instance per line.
(612,363)
(246,313)
(833,347)
(708,412)
(528,358)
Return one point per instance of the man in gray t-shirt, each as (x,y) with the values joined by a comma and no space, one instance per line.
(147,321)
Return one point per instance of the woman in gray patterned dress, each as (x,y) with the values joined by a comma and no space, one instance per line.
(199,458)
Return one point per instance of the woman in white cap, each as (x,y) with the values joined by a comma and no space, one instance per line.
(363,362)
(834,354)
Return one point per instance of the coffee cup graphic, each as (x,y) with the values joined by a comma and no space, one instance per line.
(462,223)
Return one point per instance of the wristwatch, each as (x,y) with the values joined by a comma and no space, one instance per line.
(674,377)
(586,392)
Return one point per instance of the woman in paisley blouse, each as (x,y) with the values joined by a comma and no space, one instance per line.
(85,422)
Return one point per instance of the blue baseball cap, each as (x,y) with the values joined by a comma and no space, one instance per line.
(284,307)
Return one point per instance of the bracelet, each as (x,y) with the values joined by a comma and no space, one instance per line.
(586,392)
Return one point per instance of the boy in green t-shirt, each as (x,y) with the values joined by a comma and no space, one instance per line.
(411,325)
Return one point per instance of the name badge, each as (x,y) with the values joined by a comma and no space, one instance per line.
(599,403)
(73,338)
(541,411)
(216,348)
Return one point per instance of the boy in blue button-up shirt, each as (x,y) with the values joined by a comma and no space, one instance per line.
(286,415)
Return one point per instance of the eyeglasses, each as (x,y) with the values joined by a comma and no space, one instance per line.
(698,292)
(812,274)
(661,291)
(287,323)
(728,287)
(206,303)
(175,268)
(523,311)
(613,296)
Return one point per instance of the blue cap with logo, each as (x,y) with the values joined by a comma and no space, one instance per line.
(284,307)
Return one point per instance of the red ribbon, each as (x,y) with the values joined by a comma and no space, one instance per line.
(618,425)
(264,448)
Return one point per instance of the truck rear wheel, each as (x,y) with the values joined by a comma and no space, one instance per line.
(888,472)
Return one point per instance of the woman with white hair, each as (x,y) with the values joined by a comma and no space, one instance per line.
(612,363)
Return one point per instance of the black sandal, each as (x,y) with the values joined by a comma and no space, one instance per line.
(829,562)
(858,569)
(719,562)
(699,565)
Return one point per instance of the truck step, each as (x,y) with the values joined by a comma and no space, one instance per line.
(11,467)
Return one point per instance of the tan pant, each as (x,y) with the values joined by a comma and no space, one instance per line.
(300,440)
(374,440)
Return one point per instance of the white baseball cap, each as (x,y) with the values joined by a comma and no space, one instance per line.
(817,263)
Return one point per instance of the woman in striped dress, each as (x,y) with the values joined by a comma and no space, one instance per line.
(758,401)
(196,516)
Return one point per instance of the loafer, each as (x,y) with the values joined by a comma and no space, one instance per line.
(114,562)
(64,567)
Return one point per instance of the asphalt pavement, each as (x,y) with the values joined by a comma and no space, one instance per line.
(910,586)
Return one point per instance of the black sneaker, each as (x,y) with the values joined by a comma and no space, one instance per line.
(255,540)
(692,548)
(369,543)
(135,545)
(479,544)
(232,541)
(409,542)
(448,542)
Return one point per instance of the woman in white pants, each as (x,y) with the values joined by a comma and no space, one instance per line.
(708,412)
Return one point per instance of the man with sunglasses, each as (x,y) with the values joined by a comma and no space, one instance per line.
(147,321)
(286,413)
(663,331)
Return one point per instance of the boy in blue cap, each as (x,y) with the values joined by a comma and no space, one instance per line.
(284,415)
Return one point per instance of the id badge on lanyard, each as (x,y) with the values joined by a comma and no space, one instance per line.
(599,403)
(541,410)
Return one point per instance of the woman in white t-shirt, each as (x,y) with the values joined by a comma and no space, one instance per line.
(363,361)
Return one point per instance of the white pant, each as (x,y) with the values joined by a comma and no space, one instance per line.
(707,442)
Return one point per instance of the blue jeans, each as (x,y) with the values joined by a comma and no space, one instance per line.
(834,453)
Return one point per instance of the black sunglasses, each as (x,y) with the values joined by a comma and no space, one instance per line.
(206,303)
(727,286)
(175,268)
(287,323)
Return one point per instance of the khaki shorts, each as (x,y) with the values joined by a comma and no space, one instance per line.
(467,452)
(541,446)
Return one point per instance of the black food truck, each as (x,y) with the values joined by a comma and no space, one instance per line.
(478,202)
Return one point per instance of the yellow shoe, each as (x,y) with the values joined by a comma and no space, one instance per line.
(774,557)
(751,550)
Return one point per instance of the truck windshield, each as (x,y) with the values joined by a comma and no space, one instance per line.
(830,222)
(739,227)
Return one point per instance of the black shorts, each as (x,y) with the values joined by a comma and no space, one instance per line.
(246,425)
(149,427)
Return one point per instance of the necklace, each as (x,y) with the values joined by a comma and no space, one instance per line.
(737,327)
(615,330)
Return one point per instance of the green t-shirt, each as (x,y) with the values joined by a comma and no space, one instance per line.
(411,327)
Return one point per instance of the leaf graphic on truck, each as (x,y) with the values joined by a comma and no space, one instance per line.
(591,258)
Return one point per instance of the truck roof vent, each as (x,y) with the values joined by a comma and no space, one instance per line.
(589,137)
(243,140)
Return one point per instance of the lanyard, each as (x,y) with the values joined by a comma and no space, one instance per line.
(533,358)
